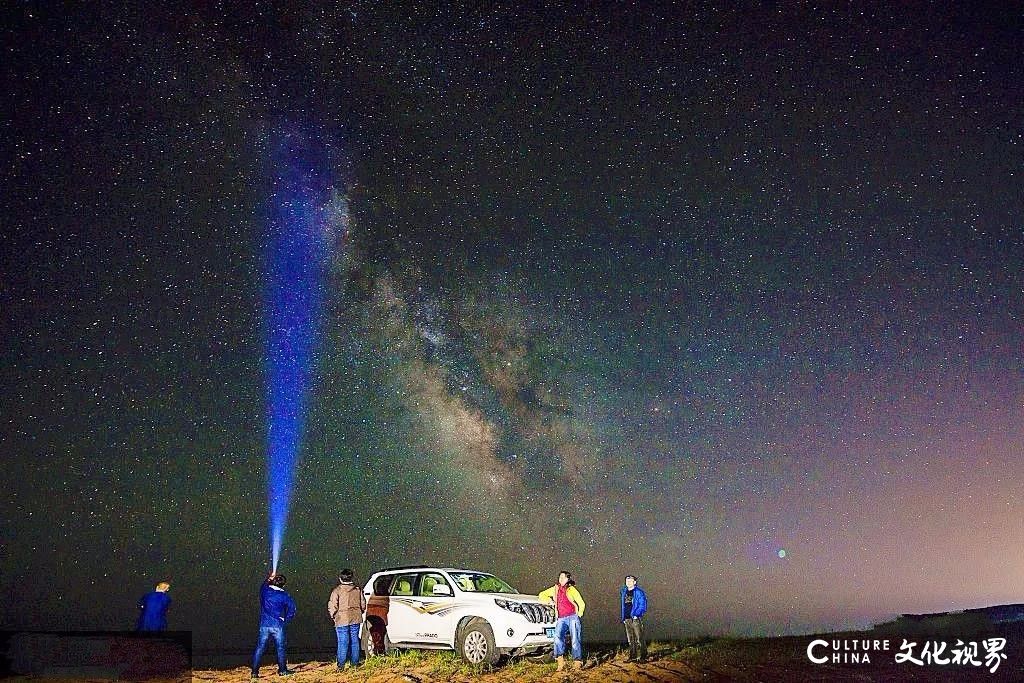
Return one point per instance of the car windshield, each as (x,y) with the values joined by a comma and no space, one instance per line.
(474,582)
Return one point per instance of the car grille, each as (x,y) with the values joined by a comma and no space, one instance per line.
(539,614)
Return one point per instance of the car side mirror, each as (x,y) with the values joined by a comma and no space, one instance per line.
(442,589)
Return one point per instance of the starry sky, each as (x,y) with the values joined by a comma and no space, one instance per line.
(728,297)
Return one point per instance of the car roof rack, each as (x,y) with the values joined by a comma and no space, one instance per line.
(408,566)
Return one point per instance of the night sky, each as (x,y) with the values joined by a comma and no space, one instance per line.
(729,298)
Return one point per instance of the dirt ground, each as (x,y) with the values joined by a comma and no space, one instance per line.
(708,659)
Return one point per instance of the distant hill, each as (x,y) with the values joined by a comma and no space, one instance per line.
(965,621)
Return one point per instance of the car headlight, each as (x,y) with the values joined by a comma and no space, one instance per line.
(510,605)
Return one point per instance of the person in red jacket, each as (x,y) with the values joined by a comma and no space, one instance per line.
(569,607)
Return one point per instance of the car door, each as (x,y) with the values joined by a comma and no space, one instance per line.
(436,604)
(404,615)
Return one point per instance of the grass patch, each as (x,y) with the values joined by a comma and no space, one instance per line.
(523,669)
(376,664)
(442,664)
(686,652)
(406,659)
(684,649)
(410,659)
(447,664)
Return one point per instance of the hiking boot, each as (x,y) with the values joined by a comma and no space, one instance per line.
(286,672)
(561,663)
(577,664)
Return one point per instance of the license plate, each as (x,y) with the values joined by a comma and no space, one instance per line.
(549,632)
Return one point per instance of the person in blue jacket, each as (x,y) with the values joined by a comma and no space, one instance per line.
(153,609)
(276,609)
(634,606)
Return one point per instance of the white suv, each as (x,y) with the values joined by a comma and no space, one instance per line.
(474,613)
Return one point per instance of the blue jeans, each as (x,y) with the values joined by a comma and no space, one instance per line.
(348,643)
(575,628)
(266,633)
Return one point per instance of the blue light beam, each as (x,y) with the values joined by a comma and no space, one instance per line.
(298,245)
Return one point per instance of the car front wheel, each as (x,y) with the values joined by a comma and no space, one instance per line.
(476,644)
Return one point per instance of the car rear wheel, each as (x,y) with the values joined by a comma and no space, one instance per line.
(476,644)
(369,647)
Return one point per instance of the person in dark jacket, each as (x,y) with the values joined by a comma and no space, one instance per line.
(153,609)
(634,606)
(276,609)
(345,607)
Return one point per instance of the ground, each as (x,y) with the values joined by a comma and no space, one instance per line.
(702,659)
(695,659)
